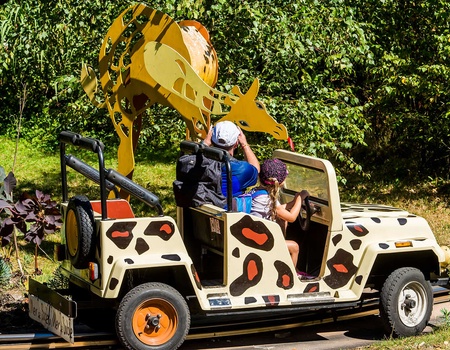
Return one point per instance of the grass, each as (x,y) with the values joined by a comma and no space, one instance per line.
(437,339)
(37,170)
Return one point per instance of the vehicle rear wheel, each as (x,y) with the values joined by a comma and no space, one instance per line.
(152,316)
(406,302)
(79,226)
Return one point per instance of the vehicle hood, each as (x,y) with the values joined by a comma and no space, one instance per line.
(354,210)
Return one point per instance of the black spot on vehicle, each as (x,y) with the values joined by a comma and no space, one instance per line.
(249,300)
(141,246)
(271,300)
(402,221)
(172,257)
(113,283)
(336,239)
(357,229)
(355,243)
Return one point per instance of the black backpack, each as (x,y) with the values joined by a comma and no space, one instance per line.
(198,181)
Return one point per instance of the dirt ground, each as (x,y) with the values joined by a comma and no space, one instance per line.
(14,317)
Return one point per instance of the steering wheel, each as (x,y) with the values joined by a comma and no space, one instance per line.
(305,210)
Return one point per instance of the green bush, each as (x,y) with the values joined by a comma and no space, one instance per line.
(359,82)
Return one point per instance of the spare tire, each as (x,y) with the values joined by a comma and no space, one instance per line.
(79,230)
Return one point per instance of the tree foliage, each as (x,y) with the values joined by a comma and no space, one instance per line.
(407,90)
(349,78)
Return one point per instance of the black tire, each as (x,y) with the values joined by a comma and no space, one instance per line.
(406,302)
(147,307)
(79,227)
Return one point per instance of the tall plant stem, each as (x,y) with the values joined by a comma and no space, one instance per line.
(16,246)
(22,103)
(36,269)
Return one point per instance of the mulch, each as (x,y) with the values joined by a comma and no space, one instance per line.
(14,317)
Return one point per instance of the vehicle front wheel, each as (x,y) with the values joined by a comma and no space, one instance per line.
(406,302)
(152,316)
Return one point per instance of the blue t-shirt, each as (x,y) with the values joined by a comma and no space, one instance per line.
(243,175)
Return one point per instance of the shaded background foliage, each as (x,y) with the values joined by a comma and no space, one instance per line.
(364,83)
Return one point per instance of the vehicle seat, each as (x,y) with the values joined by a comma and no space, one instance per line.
(116,209)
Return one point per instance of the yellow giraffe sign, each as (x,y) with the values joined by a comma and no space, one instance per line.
(147,58)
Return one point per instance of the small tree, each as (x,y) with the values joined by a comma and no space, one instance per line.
(33,215)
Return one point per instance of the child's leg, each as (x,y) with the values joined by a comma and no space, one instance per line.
(293,251)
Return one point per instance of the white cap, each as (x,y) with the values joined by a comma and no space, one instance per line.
(225,134)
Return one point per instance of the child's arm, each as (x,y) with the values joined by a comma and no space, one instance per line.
(289,211)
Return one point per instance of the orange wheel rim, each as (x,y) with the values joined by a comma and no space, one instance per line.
(72,233)
(155,321)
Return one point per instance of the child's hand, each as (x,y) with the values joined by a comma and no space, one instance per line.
(303,194)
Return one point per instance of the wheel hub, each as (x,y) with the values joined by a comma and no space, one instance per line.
(153,321)
(409,303)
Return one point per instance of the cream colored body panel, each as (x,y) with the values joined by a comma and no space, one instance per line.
(257,268)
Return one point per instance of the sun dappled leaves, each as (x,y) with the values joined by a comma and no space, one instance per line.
(358,82)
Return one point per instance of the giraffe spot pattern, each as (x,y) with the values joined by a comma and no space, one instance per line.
(113,283)
(341,268)
(271,300)
(249,300)
(355,243)
(402,221)
(171,257)
(312,288)
(336,239)
(285,278)
(121,233)
(141,246)
(357,229)
(196,277)
(162,229)
(254,234)
(251,275)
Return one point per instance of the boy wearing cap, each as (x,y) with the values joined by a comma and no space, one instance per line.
(228,136)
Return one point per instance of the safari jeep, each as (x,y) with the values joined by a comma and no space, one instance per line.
(162,277)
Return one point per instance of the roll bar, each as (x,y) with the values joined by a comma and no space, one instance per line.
(107,179)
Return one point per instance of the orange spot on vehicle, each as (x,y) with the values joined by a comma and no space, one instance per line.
(166,228)
(340,268)
(259,238)
(285,279)
(272,299)
(119,234)
(358,228)
(252,270)
(313,289)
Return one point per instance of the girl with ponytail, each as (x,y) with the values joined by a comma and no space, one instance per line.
(266,205)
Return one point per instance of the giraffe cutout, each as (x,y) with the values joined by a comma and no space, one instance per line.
(148,58)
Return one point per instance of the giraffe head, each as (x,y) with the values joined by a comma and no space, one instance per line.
(251,115)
